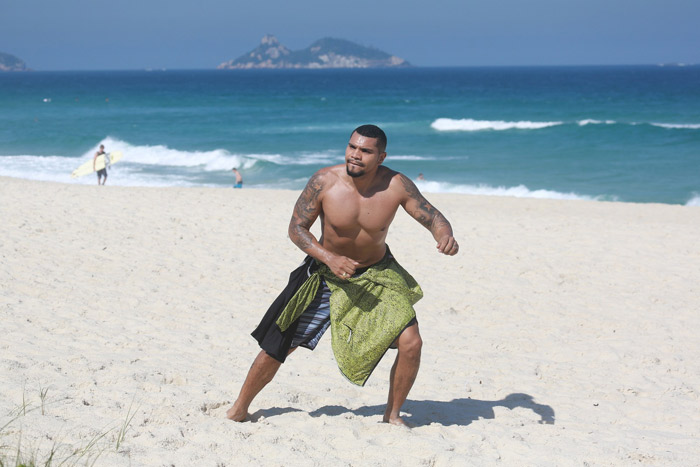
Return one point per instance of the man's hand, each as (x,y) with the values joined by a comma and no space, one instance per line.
(342,266)
(448,245)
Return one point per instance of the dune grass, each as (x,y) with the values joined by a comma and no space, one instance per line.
(16,451)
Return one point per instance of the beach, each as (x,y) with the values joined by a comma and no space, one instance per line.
(563,333)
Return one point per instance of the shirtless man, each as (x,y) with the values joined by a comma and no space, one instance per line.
(357,202)
(239,178)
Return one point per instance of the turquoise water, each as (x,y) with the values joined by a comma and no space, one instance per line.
(606,133)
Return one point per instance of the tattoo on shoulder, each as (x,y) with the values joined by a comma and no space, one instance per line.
(306,211)
(410,187)
(309,197)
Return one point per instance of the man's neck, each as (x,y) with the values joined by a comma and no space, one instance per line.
(367,183)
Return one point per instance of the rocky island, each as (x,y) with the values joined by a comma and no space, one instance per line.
(324,53)
(11,63)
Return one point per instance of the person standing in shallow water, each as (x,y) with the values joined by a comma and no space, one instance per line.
(239,178)
(357,202)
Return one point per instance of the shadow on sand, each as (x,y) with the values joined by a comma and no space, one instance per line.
(455,412)
(271,412)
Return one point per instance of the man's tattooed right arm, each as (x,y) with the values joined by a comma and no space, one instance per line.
(306,211)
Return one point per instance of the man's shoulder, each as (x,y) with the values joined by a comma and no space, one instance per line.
(396,179)
(328,175)
(331,169)
(388,172)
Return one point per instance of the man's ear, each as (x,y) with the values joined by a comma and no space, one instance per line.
(382,156)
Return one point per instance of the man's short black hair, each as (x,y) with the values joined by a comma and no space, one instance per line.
(373,131)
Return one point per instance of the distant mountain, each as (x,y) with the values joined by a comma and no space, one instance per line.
(324,53)
(11,63)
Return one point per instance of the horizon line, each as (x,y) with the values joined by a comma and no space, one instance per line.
(164,69)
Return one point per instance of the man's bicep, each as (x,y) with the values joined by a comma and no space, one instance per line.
(308,206)
(415,203)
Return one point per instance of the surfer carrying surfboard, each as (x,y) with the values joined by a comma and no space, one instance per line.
(102,172)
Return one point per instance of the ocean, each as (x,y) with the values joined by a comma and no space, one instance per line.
(628,133)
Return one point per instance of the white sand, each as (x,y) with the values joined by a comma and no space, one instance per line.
(581,314)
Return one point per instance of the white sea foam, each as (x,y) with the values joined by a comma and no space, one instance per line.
(520,191)
(684,126)
(125,173)
(217,159)
(43,168)
(411,158)
(694,201)
(210,161)
(148,165)
(331,157)
(468,124)
(58,169)
(595,122)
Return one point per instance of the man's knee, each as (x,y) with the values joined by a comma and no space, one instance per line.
(265,358)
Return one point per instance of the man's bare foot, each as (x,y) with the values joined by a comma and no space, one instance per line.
(236,415)
(398,421)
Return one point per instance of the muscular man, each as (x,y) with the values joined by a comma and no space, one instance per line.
(356,202)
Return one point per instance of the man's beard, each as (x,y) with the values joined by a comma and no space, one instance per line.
(354,174)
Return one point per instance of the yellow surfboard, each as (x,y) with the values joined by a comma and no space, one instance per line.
(86,168)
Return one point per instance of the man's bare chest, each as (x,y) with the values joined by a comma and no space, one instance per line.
(372,214)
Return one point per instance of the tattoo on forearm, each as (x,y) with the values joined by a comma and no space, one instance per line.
(424,212)
(439,222)
(305,212)
(301,238)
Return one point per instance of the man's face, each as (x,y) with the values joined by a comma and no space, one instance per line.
(362,155)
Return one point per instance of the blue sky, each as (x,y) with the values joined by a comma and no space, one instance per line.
(180,34)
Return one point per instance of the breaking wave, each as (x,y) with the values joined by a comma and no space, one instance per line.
(520,191)
(468,124)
